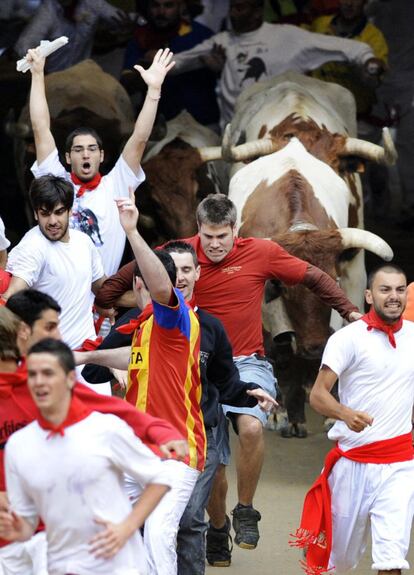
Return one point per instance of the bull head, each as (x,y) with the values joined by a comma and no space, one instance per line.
(351,147)
(310,330)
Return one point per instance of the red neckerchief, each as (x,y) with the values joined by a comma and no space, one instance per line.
(90,344)
(315,531)
(375,322)
(85,186)
(77,411)
(11,379)
(135,323)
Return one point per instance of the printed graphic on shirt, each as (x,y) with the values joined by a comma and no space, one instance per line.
(253,68)
(139,358)
(8,428)
(85,221)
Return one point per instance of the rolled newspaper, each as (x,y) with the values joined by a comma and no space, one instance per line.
(46,48)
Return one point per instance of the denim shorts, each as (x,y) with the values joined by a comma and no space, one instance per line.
(252,369)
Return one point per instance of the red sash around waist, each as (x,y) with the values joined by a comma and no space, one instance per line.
(315,531)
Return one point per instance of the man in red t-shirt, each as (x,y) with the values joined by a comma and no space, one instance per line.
(231,286)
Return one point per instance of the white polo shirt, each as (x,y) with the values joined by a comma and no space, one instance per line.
(4,242)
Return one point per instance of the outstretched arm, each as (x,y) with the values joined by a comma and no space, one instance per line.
(39,111)
(324,402)
(330,293)
(153,77)
(152,270)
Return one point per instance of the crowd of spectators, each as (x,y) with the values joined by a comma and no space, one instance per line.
(128,32)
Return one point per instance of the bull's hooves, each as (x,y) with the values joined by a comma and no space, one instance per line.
(294,430)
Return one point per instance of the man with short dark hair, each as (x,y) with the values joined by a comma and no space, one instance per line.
(367,478)
(90,525)
(61,262)
(94,211)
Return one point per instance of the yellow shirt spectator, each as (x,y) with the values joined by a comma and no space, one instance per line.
(344,74)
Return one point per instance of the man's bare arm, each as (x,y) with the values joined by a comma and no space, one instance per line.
(16,284)
(152,270)
(39,110)
(118,358)
(153,77)
(322,401)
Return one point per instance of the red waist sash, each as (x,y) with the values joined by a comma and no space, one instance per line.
(315,531)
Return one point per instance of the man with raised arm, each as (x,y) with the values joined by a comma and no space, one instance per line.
(163,380)
(94,193)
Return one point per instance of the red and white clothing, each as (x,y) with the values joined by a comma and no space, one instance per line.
(65,271)
(95,212)
(373,377)
(4,242)
(80,478)
(232,290)
(376,378)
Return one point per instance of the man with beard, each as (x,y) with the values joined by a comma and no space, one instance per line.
(368,476)
(61,262)
(95,194)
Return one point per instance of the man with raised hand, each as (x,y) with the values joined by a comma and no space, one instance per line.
(163,380)
(94,193)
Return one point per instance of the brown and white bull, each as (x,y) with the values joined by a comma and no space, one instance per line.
(179,174)
(300,189)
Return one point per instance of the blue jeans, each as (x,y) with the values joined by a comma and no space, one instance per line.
(191,550)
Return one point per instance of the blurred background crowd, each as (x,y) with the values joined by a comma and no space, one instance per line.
(117,34)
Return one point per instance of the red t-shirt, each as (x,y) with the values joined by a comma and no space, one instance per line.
(232,289)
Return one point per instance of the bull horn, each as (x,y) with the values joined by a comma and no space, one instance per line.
(246,151)
(146,221)
(381,155)
(356,238)
(209,153)
(17,129)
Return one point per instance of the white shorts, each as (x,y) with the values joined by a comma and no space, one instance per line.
(27,558)
(381,495)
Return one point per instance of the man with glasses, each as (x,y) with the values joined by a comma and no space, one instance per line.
(94,210)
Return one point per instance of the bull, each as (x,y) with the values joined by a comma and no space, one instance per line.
(300,188)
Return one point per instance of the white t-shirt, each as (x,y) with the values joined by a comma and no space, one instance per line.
(373,377)
(4,242)
(65,271)
(68,481)
(268,51)
(95,213)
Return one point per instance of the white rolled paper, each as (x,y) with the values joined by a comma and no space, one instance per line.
(46,48)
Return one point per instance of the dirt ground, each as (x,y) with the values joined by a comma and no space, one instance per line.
(290,467)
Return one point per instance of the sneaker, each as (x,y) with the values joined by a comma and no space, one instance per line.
(245,521)
(219,545)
